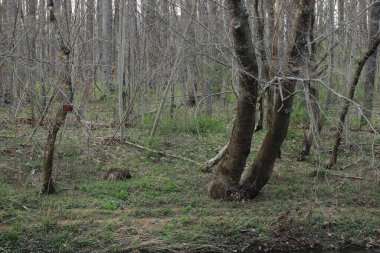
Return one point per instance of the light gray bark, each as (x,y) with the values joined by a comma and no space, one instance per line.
(107,44)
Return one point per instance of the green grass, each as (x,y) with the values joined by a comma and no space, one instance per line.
(165,202)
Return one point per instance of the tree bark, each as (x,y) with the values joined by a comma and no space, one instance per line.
(107,45)
(371,66)
(274,23)
(312,97)
(341,12)
(331,52)
(257,175)
(121,67)
(232,165)
(264,70)
(32,38)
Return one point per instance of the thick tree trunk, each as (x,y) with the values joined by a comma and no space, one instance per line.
(232,165)
(342,118)
(369,84)
(258,174)
(66,90)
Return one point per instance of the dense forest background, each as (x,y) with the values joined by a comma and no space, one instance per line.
(177,124)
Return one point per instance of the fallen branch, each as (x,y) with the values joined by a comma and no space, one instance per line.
(328,174)
(214,161)
(110,139)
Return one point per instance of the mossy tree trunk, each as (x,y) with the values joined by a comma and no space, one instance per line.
(232,164)
(66,92)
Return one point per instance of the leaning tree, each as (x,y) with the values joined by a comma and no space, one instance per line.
(65,90)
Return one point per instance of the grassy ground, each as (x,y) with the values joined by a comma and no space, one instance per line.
(164,206)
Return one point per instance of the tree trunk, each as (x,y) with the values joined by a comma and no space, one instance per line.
(331,52)
(342,118)
(274,14)
(264,70)
(66,90)
(257,175)
(341,12)
(312,97)
(121,67)
(232,165)
(369,84)
(91,57)
(32,37)
(107,45)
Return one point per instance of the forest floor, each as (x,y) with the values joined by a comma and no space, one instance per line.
(164,207)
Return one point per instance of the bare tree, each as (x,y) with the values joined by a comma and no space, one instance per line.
(121,66)
(371,66)
(226,181)
(107,44)
(66,93)
(351,92)
(231,180)
(257,175)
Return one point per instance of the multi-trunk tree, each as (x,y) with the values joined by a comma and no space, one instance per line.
(231,179)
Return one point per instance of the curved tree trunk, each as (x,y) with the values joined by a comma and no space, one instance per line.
(257,175)
(66,90)
(232,165)
(343,113)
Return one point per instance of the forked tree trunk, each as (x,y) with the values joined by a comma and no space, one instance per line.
(371,66)
(342,118)
(232,165)
(66,90)
(257,175)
